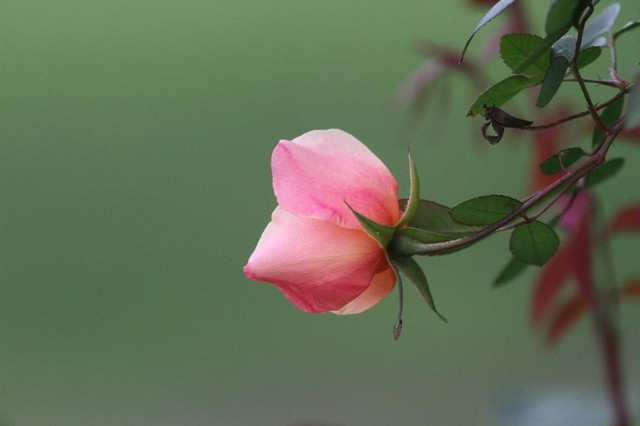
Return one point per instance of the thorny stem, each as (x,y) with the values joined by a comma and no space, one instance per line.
(609,83)
(613,70)
(408,246)
(602,319)
(547,206)
(576,72)
(578,115)
(404,244)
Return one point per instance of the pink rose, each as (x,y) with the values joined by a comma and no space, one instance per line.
(314,249)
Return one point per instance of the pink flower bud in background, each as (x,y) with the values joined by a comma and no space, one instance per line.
(314,249)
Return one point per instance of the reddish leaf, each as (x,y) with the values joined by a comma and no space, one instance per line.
(581,256)
(546,143)
(627,219)
(631,290)
(565,317)
(633,134)
(554,275)
(573,260)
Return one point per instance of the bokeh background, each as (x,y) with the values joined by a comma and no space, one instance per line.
(134,183)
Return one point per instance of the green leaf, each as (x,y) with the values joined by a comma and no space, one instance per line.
(433,224)
(495,10)
(632,112)
(412,270)
(533,243)
(539,49)
(513,269)
(501,92)
(562,160)
(565,47)
(629,26)
(552,81)
(588,55)
(514,48)
(381,233)
(414,195)
(600,24)
(561,56)
(435,219)
(484,210)
(609,116)
(560,15)
(604,172)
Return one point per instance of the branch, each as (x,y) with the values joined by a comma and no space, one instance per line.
(577,115)
(609,83)
(408,246)
(576,72)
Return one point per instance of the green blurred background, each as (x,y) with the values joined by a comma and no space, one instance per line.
(134,183)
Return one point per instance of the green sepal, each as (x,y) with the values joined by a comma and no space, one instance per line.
(534,243)
(414,195)
(412,270)
(404,244)
(427,237)
(381,233)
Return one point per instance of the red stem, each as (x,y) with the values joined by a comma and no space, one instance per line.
(610,347)
(604,314)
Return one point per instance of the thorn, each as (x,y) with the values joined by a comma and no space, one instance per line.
(397,329)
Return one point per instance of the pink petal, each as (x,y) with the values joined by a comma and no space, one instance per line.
(571,220)
(381,284)
(314,174)
(318,265)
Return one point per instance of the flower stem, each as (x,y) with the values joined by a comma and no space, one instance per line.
(408,247)
(576,71)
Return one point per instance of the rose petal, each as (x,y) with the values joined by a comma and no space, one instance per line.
(381,284)
(314,174)
(318,265)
